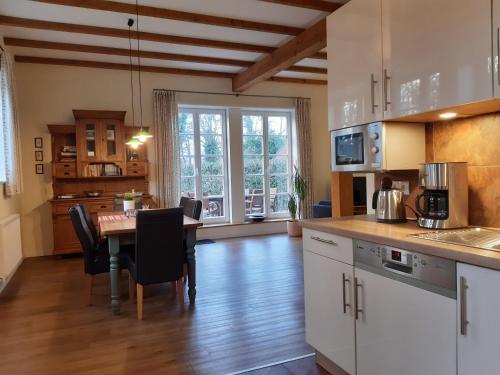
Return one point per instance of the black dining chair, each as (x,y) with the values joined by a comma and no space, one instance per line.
(88,220)
(192,209)
(95,253)
(159,252)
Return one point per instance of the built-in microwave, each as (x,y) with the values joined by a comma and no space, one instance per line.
(378,146)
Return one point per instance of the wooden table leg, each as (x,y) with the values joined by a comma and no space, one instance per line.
(190,243)
(114,272)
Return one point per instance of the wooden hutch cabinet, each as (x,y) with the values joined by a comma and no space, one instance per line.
(91,155)
(100,139)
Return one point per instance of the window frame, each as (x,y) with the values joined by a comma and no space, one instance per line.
(196,111)
(265,114)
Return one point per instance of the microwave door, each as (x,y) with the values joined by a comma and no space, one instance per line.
(348,150)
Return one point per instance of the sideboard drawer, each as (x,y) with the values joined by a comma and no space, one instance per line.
(328,245)
(102,206)
(65,170)
(136,168)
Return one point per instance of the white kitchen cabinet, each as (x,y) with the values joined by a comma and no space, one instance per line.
(436,54)
(328,297)
(478,304)
(496,47)
(403,329)
(354,64)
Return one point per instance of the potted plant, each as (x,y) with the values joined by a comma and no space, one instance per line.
(292,226)
(295,202)
(128,202)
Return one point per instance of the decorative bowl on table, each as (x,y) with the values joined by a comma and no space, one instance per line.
(257,218)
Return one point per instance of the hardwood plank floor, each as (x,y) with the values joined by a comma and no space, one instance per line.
(249,312)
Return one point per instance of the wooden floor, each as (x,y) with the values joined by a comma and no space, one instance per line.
(249,312)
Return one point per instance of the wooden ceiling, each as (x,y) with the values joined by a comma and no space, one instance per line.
(248,41)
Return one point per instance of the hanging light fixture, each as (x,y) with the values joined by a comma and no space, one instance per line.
(132,142)
(143,134)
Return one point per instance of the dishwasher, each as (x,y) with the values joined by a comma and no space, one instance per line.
(405,312)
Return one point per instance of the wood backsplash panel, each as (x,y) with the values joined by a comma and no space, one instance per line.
(475,140)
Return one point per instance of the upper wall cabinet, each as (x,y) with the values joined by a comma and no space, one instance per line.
(436,54)
(393,58)
(354,64)
(496,46)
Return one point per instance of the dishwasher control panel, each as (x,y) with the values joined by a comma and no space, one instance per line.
(422,268)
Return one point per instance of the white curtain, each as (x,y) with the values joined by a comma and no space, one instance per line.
(304,150)
(10,140)
(166,141)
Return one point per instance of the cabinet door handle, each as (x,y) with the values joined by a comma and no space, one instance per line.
(344,304)
(357,310)
(497,63)
(372,88)
(463,306)
(387,78)
(322,240)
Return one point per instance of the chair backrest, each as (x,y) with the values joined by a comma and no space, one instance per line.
(191,207)
(88,220)
(159,251)
(84,236)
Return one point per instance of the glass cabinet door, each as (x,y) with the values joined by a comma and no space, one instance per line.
(91,140)
(110,140)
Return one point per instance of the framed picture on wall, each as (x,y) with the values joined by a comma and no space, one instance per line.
(38,142)
(38,155)
(39,168)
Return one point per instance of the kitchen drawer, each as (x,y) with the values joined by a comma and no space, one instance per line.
(329,245)
(136,168)
(65,170)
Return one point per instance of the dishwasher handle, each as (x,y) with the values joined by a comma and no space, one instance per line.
(398,268)
(357,310)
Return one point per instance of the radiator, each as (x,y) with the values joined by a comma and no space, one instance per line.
(11,253)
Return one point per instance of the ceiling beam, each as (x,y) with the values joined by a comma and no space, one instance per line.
(149,11)
(309,42)
(40,44)
(151,69)
(324,6)
(151,37)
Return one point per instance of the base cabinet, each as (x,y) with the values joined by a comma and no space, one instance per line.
(479,320)
(330,327)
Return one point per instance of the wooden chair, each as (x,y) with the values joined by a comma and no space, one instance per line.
(95,253)
(159,253)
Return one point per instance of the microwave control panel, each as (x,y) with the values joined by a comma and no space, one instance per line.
(375,144)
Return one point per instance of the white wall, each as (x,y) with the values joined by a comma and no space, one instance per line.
(47,94)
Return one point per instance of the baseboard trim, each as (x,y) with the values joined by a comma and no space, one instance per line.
(271,364)
(328,365)
(6,280)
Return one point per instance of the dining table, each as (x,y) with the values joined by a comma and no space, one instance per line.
(120,228)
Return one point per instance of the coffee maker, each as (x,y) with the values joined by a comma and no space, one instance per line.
(444,203)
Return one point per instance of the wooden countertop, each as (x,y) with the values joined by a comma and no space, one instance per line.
(365,227)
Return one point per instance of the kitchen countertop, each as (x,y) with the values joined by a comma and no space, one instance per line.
(366,228)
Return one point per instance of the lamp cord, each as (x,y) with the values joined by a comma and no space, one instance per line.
(131,72)
(139,57)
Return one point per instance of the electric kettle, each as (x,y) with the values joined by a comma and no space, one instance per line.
(389,204)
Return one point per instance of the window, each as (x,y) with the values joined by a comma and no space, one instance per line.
(203,154)
(267,163)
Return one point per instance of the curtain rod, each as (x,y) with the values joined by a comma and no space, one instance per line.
(236,94)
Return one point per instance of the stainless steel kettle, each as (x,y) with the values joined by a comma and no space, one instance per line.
(389,204)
